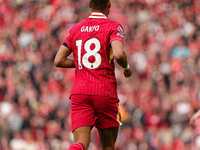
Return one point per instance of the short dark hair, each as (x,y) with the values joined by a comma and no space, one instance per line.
(99,4)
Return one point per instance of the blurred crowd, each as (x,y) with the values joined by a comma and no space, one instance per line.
(162,41)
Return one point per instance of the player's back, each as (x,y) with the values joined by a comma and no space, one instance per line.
(90,43)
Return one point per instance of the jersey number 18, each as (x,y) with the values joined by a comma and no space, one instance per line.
(89,52)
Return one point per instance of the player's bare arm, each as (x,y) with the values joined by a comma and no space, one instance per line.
(62,60)
(120,56)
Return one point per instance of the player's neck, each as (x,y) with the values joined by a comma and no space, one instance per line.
(100,11)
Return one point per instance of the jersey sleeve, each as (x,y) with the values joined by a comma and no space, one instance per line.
(68,40)
(117,33)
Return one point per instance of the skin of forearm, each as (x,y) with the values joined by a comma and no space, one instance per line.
(122,63)
(122,60)
(66,63)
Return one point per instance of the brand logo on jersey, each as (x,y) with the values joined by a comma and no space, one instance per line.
(120,32)
(89,28)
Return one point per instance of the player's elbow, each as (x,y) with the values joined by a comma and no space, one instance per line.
(57,62)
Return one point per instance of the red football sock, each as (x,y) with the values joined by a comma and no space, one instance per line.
(77,146)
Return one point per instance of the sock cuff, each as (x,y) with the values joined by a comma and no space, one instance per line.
(81,145)
(77,146)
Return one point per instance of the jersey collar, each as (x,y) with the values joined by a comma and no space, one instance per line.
(97,15)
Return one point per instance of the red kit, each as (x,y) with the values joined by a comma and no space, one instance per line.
(90,42)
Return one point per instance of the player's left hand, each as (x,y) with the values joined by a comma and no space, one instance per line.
(128,73)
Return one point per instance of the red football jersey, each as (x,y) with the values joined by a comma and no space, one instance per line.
(90,42)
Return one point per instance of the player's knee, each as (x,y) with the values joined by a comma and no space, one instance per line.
(77,146)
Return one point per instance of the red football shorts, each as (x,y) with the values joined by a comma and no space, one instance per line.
(99,111)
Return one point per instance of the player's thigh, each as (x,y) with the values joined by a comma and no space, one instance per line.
(82,112)
(108,137)
(82,134)
(107,112)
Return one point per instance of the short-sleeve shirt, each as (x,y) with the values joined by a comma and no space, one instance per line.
(90,41)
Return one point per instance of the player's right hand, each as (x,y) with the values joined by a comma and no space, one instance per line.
(128,73)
